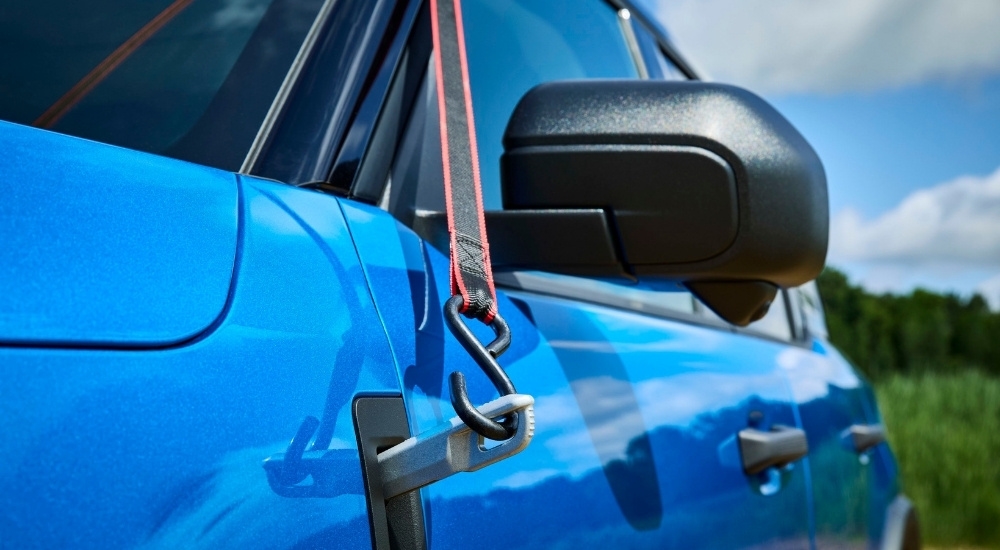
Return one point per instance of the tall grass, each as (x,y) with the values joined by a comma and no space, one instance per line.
(945,431)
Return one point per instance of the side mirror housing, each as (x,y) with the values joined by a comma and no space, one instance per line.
(701,183)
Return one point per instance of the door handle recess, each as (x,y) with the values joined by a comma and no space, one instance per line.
(761,450)
(865,436)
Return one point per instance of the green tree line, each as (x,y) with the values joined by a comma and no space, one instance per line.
(920,332)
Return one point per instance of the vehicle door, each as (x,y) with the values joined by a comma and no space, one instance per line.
(853,471)
(637,411)
(639,395)
(172,350)
(166,326)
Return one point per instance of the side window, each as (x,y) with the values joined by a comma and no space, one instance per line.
(811,310)
(514,45)
(776,323)
(666,300)
(192,81)
(656,65)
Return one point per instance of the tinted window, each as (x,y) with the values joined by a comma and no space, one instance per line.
(663,300)
(775,324)
(657,64)
(189,79)
(513,45)
(812,310)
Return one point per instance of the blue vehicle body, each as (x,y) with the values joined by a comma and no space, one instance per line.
(165,327)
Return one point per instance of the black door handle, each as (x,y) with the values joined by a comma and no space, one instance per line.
(862,437)
(760,450)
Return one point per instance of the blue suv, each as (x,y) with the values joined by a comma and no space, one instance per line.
(225,258)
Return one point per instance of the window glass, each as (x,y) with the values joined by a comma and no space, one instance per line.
(775,324)
(812,310)
(677,299)
(657,64)
(661,300)
(160,76)
(514,45)
(795,310)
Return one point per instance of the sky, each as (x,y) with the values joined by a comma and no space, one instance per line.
(901,99)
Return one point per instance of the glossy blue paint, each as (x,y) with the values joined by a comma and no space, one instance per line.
(163,448)
(852,491)
(108,247)
(323,300)
(636,417)
(164,328)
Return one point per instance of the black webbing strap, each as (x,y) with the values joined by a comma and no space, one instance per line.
(471,273)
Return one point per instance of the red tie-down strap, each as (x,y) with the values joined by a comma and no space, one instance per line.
(471,273)
(474,295)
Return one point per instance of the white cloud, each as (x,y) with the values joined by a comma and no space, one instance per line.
(945,238)
(953,222)
(830,46)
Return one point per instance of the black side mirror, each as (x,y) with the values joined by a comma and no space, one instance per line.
(696,182)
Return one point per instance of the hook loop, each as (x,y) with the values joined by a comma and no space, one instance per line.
(485,357)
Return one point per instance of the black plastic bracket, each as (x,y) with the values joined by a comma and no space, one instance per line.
(380,422)
(574,241)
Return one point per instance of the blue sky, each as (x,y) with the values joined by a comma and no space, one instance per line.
(901,98)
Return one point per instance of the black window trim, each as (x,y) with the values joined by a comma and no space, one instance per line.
(319,167)
(291,78)
(362,166)
(658,32)
(317,101)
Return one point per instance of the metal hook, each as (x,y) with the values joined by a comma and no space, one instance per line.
(485,357)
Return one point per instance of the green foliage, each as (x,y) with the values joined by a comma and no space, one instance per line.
(945,432)
(914,333)
(935,362)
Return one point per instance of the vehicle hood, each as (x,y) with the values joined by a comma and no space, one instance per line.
(106,247)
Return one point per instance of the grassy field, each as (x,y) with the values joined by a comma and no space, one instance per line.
(945,431)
